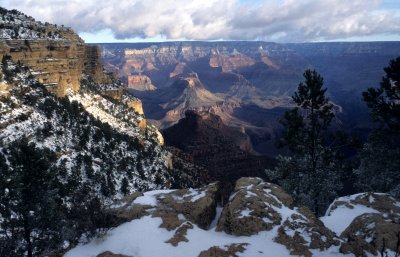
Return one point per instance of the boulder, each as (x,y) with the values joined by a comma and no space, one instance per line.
(382,203)
(304,231)
(125,210)
(197,205)
(250,210)
(368,223)
(373,233)
(257,206)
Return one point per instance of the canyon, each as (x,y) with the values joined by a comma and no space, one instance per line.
(247,84)
(86,172)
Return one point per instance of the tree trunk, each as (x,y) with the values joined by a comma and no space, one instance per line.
(27,236)
(313,143)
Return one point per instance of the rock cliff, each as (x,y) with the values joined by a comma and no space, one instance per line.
(57,56)
(140,82)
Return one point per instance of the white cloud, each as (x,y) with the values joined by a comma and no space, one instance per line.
(277,20)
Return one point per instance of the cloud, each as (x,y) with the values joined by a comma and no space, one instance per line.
(273,20)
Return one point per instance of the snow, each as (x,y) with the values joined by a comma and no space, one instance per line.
(194,195)
(144,238)
(217,215)
(250,194)
(340,218)
(245,213)
(107,112)
(21,27)
(150,198)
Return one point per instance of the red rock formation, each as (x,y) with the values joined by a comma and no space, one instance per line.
(140,82)
(58,64)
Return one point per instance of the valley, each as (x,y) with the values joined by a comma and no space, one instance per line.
(172,148)
(247,84)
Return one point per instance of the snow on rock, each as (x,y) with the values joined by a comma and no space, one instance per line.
(173,206)
(16,25)
(345,209)
(150,198)
(107,112)
(367,222)
(258,206)
(172,224)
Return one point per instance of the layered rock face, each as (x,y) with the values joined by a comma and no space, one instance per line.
(218,78)
(56,56)
(58,64)
(140,82)
(93,66)
(59,59)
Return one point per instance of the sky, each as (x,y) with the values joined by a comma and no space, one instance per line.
(174,20)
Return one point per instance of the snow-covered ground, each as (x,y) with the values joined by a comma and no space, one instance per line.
(144,238)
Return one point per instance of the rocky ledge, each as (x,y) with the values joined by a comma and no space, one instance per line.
(260,219)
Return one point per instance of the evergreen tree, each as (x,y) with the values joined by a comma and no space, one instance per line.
(384,102)
(30,192)
(125,186)
(311,173)
(380,157)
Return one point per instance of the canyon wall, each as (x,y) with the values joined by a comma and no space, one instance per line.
(140,82)
(58,64)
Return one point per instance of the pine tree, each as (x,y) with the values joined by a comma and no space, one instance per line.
(380,157)
(124,186)
(313,114)
(29,189)
(311,173)
(384,102)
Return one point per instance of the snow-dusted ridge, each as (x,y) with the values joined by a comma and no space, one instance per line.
(16,25)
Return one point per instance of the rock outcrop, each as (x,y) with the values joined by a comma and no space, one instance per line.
(371,233)
(140,83)
(229,61)
(371,223)
(257,206)
(196,205)
(259,219)
(57,56)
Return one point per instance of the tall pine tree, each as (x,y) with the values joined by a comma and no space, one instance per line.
(311,173)
(380,157)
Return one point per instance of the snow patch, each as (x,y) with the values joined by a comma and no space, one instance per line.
(341,217)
